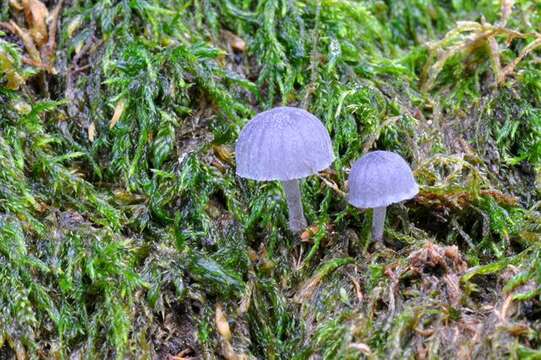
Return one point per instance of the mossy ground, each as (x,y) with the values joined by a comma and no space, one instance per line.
(124,232)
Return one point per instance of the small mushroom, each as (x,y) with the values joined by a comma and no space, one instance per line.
(377,180)
(285,144)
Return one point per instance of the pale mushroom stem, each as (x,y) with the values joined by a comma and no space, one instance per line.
(378,219)
(297,221)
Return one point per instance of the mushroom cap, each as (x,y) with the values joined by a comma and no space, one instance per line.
(380,178)
(283,143)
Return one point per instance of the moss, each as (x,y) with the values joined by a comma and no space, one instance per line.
(123,225)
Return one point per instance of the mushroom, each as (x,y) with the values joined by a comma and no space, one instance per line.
(285,144)
(377,180)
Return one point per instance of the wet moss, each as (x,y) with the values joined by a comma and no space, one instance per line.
(123,227)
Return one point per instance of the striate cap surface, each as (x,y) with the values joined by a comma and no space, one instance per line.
(283,143)
(380,178)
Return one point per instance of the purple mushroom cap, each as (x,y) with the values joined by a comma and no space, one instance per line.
(284,143)
(380,178)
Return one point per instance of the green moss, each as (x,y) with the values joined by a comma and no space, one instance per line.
(118,238)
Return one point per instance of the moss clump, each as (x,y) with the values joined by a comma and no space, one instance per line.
(123,227)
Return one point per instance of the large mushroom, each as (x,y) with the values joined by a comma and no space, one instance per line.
(285,144)
(377,180)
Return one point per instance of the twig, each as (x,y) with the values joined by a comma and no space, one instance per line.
(82,68)
(505,307)
(27,41)
(357,286)
(34,63)
(528,49)
(48,50)
(332,185)
(25,37)
(7,26)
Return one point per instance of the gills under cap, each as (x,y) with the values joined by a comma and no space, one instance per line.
(380,178)
(284,143)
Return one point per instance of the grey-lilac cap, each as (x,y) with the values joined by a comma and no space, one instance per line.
(284,143)
(379,179)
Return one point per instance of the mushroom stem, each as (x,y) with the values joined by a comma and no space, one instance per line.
(378,219)
(297,221)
